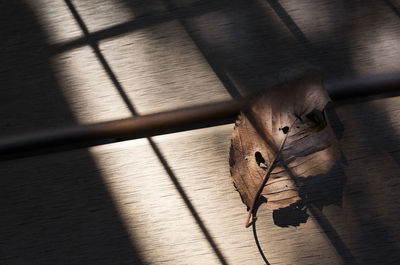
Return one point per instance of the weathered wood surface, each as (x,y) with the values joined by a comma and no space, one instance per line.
(119,203)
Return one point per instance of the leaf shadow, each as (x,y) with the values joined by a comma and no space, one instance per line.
(320,190)
(293,215)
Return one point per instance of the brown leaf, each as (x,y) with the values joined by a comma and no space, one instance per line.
(284,131)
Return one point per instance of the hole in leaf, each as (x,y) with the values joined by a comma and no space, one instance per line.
(285,129)
(260,160)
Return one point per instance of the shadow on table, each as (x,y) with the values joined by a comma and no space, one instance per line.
(54,209)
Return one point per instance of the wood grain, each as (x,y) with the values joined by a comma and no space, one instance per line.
(117,203)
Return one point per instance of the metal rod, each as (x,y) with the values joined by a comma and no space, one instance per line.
(131,128)
(167,122)
(363,86)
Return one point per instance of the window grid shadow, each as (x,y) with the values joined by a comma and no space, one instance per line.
(94,45)
(150,20)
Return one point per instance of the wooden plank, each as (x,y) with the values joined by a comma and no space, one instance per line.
(116,204)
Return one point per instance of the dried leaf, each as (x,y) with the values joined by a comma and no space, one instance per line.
(286,135)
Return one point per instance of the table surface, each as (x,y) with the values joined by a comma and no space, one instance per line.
(169,199)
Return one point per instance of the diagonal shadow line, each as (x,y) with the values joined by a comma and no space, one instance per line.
(393,7)
(333,236)
(288,21)
(224,79)
(154,146)
(144,21)
(294,29)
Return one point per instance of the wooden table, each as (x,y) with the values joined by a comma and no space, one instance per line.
(169,199)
